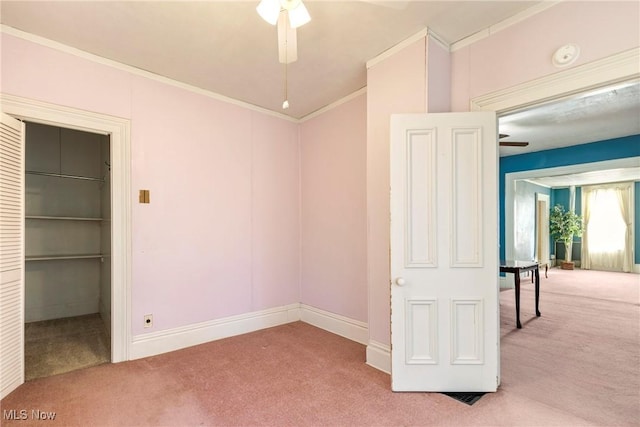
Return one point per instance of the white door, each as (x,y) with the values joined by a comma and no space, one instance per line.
(444,252)
(11,254)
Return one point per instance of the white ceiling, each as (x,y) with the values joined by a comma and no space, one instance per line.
(605,113)
(226,48)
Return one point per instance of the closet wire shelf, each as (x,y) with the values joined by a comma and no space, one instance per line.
(58,257)
(61,175)
(63,218)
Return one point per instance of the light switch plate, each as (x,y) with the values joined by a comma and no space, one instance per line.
(144,196)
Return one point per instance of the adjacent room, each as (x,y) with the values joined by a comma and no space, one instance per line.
(281,212)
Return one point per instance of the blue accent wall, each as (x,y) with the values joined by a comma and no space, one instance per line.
(618,148)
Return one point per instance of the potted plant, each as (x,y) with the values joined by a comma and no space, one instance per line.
(563,225)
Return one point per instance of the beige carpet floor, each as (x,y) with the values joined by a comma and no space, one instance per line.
(577,365)
(63,345)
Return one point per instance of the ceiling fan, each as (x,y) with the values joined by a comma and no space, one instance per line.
(288,15)
(291,14)
(510,143)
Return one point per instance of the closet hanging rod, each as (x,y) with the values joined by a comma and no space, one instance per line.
(60,175)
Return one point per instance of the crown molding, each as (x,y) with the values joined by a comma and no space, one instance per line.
(483,34)
(333,105)
(397,48)
(617,68)
(5,29)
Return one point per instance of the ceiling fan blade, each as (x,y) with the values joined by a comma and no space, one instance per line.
(513,144)
(510,143)
(287,40)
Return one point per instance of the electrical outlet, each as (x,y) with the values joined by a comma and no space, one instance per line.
(148,320)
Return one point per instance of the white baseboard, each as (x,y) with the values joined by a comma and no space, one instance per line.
(636,268)
(379,356)
(354,330)
(177,338)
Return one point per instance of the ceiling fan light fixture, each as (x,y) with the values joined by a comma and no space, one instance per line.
(299,15)
(269,10)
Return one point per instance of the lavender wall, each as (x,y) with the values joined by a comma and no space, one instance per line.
(523,52)
(396,85)
(333,215)
(221,234)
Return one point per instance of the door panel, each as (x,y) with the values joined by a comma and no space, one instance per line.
(444,252)
(11,254)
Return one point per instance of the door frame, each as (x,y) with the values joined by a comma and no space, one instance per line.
(539,233)
(618,68)
(118,129)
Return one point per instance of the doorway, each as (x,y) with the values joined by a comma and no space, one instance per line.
(118,131)
(616,69)
(542,228)
(67,250)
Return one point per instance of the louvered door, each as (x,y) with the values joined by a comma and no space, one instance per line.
(11,254)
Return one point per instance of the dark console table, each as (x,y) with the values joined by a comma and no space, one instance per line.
(517,267)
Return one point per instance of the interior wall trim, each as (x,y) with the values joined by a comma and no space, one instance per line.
(483,34)
(154,343)
(119,130)
(379,356)
(340,325)
(617,68)
(136,71)
(397,48)
(621,67)
(333,105)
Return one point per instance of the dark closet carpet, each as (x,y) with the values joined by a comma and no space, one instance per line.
(63,345)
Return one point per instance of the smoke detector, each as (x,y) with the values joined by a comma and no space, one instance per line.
(566,55)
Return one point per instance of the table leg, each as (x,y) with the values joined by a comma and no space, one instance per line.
(537,274)
(517,282)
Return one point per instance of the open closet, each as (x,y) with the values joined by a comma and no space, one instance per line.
(67,250)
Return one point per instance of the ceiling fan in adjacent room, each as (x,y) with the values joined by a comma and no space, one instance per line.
(510,143)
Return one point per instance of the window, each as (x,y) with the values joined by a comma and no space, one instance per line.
(608,237)
(606,227)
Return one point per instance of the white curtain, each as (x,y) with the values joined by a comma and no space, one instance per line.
(607,241)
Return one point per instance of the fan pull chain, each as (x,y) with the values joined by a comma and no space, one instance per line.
(285,104)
